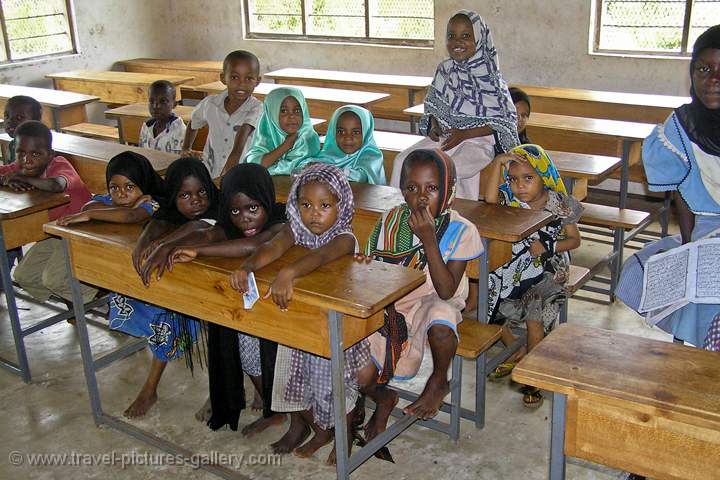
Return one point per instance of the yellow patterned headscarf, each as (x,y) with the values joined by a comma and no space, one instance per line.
(543,165)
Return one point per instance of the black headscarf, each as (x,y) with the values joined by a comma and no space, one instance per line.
(519,95)
(177,172)
(700,123)
(138,170)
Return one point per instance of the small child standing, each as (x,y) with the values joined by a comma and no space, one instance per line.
(529,289)
(232,115)
(468,108)
(521,100)
(285,136)
(164,131)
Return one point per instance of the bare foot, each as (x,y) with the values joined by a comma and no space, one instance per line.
(332,458)
(145,399)
(205,412)
(431,399)
(257,402)
(294,437)
(384,404)
(319,440)
(263,423)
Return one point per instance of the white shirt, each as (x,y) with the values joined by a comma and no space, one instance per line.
(223,127)
(169,140)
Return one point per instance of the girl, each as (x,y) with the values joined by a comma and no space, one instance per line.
(285,135)
(423,233)
(468,108)
(320,212)
(189,195)
(530,288)
(521,100)
(248,217)
(350,146)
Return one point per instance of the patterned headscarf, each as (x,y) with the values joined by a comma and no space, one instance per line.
(543,165)
(333,177)
(269,135)
(472,93)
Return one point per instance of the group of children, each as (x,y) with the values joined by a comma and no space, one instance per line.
(471,121)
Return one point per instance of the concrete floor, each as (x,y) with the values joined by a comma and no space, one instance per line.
(52,415)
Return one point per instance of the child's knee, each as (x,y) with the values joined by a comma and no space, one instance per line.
(367,377)
(441,332)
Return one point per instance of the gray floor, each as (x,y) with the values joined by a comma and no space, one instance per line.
(52,415)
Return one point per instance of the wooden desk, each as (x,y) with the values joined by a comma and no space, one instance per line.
(90,156)
(332,309)
(202,71)
(60,109)
(641,405)
(322,101)
(115,88)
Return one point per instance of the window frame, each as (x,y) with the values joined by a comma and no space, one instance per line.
(367,40)
(71,30)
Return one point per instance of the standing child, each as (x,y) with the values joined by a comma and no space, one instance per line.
(521,100)
(468,108)
(426,234)
(320,212)
(165,131)
(232,115)
(285,136)
(529,289)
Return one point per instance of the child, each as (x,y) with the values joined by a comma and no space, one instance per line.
(521,100)
(232,115)
(320,211)
(43,270)
(350,146)
(165,131)
(468,108)
(248,217)
(422,233)
(189,195)
(529,289)
(285,136)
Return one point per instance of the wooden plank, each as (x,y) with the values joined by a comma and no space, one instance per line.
(607,216)
(93,130)
(46,96)
(476,337)
(383,80)
(17,204)
(23,230)
(203,71)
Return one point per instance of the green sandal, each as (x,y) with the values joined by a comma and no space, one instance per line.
(532,398)
(502,371)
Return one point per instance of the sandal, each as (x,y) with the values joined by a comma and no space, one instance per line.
(502,371)
(532,397)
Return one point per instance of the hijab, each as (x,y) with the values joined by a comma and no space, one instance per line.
(138,170)
(177,172)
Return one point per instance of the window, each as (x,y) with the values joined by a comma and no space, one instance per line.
(35,28)
(408,22)
(662,27)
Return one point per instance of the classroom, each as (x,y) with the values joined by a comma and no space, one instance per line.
(486,231)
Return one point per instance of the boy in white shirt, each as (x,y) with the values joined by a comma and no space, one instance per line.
(231,115)
(164,131)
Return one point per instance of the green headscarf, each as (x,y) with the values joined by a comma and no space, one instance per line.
(269,135)
(366,164)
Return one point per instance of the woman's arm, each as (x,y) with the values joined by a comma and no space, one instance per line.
(686,219)
(270,158)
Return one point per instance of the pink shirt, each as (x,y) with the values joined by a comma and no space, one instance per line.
(75,188)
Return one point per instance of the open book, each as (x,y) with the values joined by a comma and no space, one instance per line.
(672,279)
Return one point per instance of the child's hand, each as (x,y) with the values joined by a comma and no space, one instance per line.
(422,224)
(191,153)
(76,218)
(281,289)
(140,256)
(360,258)
(17,183)
(157,260)
(454,138)
(537,248)
(505,158)
(181,255)
(141,200)
(435,132)
(290,140)
(239,280)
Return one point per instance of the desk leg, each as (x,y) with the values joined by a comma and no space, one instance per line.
(411,103)
(625,172)
(22,368)
(56,119)
(337,361)
(121,132)
(557,437)
(482,301)
(570,184)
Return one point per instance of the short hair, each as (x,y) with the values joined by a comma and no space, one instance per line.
(22,100)
(35,129)
(519,95)
(236,55)
(162,85)
(416,157)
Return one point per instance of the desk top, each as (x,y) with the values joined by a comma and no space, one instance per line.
(125,78)
(673,377)
(46,96)
(405,81)
(18,204)
(621,98)
(580,165)
(333,95)
(492,221)
(199,65)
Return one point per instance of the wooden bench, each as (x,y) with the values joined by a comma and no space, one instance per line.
(202,71)
(579,276)
(60,109)
(93,130)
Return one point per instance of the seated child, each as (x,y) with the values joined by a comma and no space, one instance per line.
(232,115)
(528,290)
(422,233)
(350,146)
(521,100)
(468,108)
(164,131)
(320,212)
(248,217)
(43,270)
(285,135)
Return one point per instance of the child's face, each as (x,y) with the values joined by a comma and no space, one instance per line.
(123,192)
(348,133)
(318,207)
(706,78)
(161,103)
(32,156)
(460,39)
(525,182)
(241,78)
(247,214)
(16,115)
(523,114)
(291,115)
(422,188)
(192,199)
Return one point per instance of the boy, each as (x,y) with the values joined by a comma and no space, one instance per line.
(232,115)
(43,271)
(165,131)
